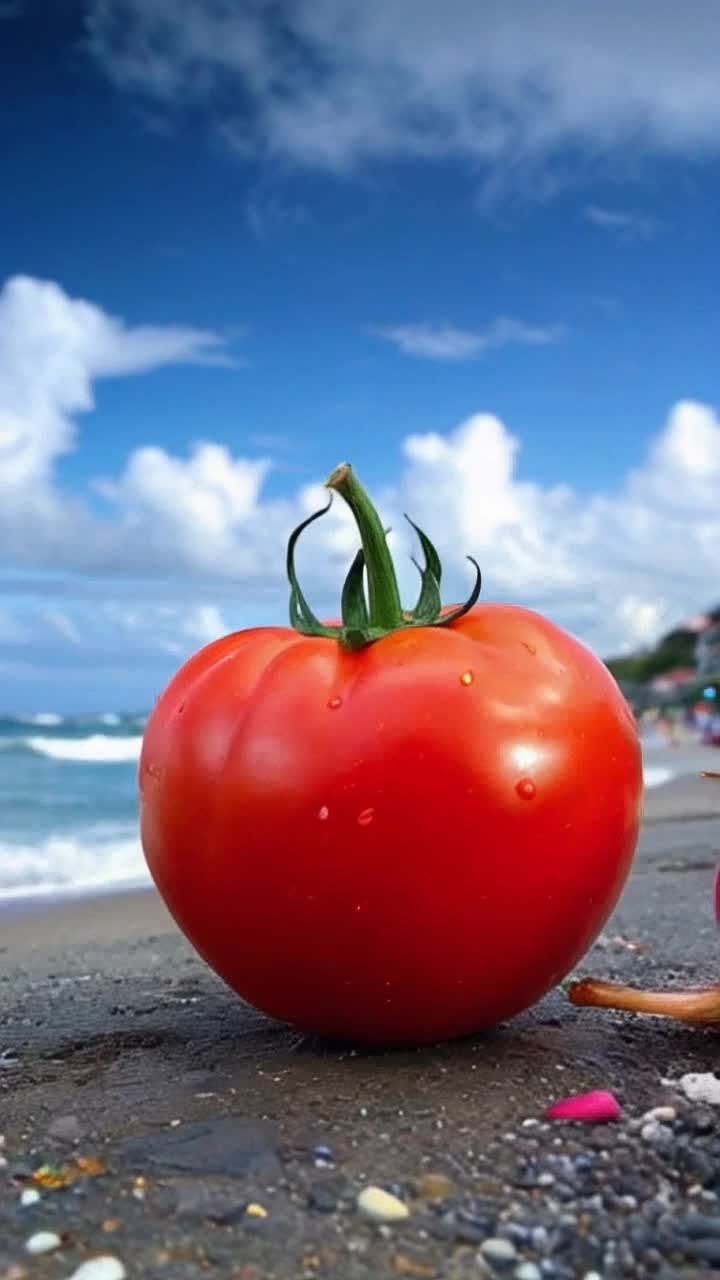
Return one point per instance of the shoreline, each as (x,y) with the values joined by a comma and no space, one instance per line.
(684,797)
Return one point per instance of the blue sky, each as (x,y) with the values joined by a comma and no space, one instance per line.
(473,251)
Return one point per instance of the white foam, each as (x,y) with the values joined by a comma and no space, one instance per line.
(43,719)
(657,775)
(93,859)
(98,748)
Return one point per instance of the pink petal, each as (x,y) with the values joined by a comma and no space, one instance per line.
(589,1108)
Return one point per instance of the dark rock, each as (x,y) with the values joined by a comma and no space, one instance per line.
(700,1121)
(323,1198)
(207,1201)
(703,1250)
(462,1227)
(699,1226)
(227,1145)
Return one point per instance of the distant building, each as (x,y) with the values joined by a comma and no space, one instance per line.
(672,681)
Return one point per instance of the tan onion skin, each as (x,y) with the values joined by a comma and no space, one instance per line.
(701,1005)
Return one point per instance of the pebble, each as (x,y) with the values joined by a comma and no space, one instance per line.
(527,1271)
(433,1186)
(664,1114)
(539,1238)
(380,1206)
(703,1250)
(103,1268)
(499,1251)
(322,1198)
(28,1197)
(65,1129)
(700,1225)
(701,1086)
(43,1242)
(256,1211)
(656,1133)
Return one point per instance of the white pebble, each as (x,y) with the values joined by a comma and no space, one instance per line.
(539,1237)
(527,1271)
(29,1196)
(380,1206)
(497,1250)
(701,1086)
(43,1242)
(103,1268)
(3,1162)
(655,1132)
(665,1114)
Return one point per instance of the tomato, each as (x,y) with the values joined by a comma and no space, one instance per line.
(404,828)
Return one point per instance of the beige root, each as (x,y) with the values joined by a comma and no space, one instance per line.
(701,1005)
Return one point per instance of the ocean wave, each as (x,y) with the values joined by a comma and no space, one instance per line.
(97,748)
(80,863)
(657,775)
(42,719)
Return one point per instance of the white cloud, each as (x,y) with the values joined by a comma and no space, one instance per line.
(330,84)
(615,567)
(628,224)
(449,343)
(53,348)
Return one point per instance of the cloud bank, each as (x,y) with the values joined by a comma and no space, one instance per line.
(330,85)
(614,567)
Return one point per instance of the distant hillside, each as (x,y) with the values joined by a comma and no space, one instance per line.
(676,649)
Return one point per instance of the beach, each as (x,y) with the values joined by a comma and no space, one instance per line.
(229,1145)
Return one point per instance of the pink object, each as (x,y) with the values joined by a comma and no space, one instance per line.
(589,1108)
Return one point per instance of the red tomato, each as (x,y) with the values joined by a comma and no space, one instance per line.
(402,842)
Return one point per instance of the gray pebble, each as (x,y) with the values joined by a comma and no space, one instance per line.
(66,1129)
(498,1251)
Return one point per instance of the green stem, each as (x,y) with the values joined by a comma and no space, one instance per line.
(385,607)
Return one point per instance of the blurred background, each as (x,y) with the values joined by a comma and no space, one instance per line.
(470,247)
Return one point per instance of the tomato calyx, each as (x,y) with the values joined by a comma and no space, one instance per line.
(367,618)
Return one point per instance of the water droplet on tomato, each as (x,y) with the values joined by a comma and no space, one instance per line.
(324,813)
(526,789)
(334,703)
(530,647)
(467,677)
(365,818)
(154,770)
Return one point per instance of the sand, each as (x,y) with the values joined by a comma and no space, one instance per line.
(112,1029)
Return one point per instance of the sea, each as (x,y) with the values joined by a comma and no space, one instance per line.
(68,803)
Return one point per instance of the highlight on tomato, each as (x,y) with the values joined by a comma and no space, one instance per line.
(398,828)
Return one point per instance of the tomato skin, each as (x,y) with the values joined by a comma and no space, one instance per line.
(403,844)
